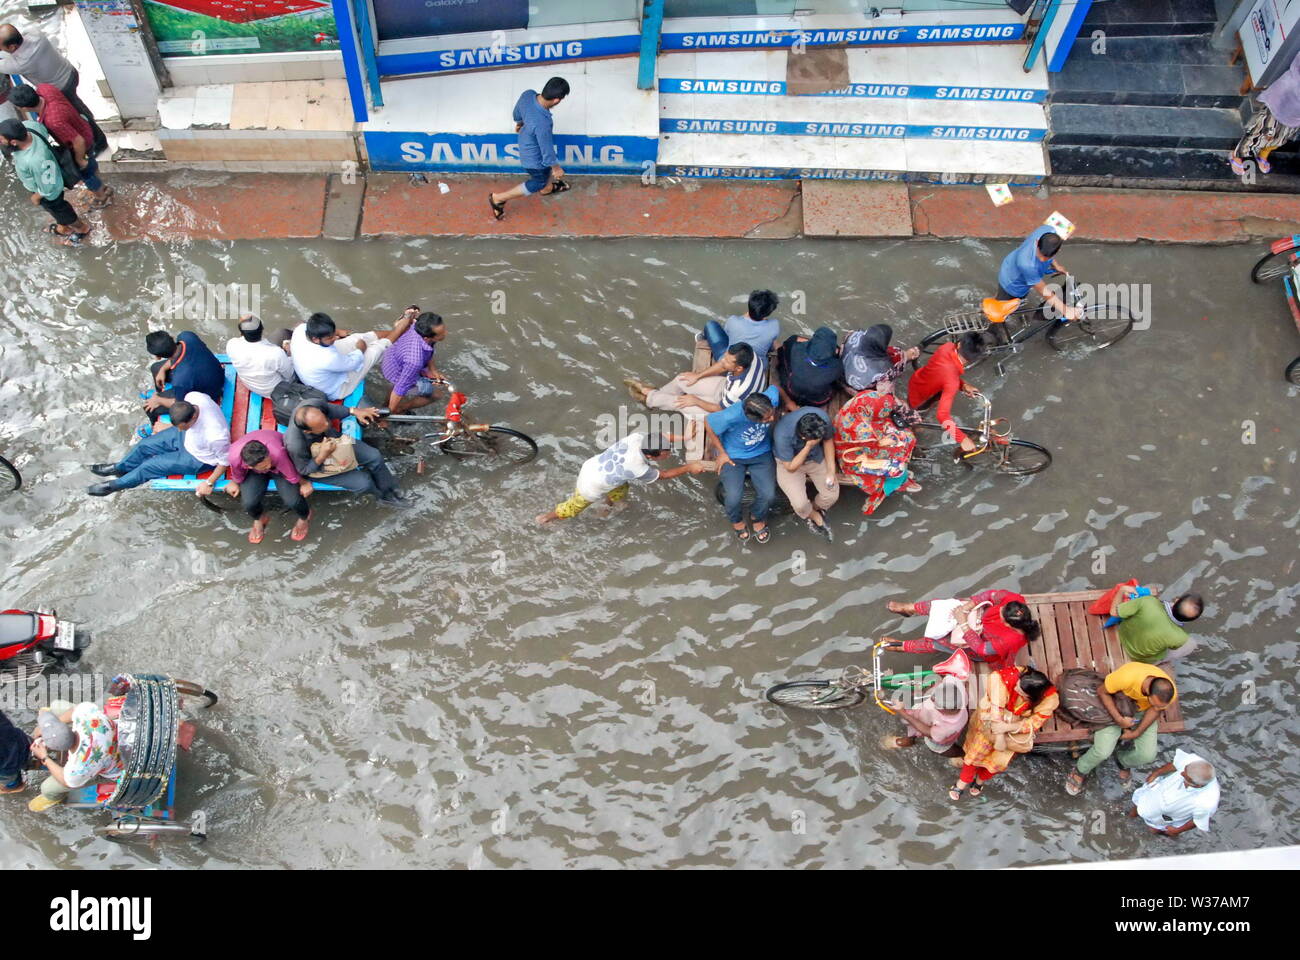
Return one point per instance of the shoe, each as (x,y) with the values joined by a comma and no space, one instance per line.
(395,501)
(9,788)
(100,489)
(105,470)
(823,530)
(41,802)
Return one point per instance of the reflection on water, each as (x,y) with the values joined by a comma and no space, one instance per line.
(455,686)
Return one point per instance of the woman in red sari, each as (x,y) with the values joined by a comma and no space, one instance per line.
(1005,626)
(1017,702)
(870,449)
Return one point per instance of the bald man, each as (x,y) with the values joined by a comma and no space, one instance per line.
(1180,795)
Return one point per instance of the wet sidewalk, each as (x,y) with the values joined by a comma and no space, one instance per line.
(180,206)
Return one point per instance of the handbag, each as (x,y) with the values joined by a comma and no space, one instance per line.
(343,459)
(67,163)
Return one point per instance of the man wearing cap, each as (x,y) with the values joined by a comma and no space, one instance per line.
(1180,795)
(39,171)
(90,738)
(262,364)
(940,718)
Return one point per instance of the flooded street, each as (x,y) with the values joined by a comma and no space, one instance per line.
(454,686)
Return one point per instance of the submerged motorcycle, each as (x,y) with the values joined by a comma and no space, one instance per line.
(34,641)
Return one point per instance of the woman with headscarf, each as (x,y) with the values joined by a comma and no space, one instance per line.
(1276,122)
(870,448)
(809,369)
(868,358)
(992,626)
(1017,702)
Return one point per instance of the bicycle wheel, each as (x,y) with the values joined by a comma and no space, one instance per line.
(1102,325)
(1272,266)
(932,342)
(197,692)
(10,478)
(1020,458)
(133,830)
(1293,372)
(814,695)
(494,443)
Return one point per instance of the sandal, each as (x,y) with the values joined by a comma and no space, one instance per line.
(975,791)
(560,186)
(98,204)
(742,535)
(1125,775)
(258,531)
(1074,783)
(498,209)
(300,534)
(762,536)
(954,794)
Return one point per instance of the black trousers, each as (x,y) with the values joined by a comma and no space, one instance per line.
(252,492)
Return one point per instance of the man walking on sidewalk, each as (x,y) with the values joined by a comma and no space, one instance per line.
(39,171)
(56,114)
(35,59)
(536,145)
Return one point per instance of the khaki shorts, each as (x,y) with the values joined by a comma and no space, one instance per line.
(577,503)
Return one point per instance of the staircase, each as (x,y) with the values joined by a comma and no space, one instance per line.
(1156,106)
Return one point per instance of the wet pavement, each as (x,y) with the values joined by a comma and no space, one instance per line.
(455,686)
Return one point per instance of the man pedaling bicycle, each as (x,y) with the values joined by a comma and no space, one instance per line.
(1023,269)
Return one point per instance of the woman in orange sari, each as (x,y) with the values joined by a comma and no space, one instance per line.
(1017,702)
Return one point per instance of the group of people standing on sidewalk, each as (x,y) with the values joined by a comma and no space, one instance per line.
(55,148)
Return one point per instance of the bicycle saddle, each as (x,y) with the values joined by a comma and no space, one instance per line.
(996,310)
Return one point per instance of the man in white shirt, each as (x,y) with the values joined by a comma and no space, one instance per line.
(262,365)
(201,439)
(1180,795)
(335,361)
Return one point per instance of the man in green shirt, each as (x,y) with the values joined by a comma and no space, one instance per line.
(1149,628)
(39,171)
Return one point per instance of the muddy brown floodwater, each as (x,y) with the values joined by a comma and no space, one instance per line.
(454,686)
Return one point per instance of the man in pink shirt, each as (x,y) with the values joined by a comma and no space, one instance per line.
(256,459)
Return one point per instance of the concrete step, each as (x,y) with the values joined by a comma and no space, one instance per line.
(1198,49)
(1150,18)
(1087,78)
(1099,125)
(1179,169)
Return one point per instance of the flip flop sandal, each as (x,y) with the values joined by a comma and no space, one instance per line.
(498,209)
(302,536)
(762,536)
(257,536)
(1237,166)
(98,204)
(1264,165)
(1074,783)
(974,791)
(560,186)
(954,795)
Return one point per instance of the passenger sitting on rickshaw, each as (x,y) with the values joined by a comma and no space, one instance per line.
(940,717)
(1023,269)
(868,358)
(809,369)
(941,377)
(90,738)
(991,626)
(871,449)
(740,372)
(15,750)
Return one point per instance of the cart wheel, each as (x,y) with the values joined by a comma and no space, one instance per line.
(1293,372)
(196,691)
(1272,266)
(132,830)
(814,695)
(10,478)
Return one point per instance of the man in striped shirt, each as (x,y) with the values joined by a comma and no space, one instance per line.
(735,376)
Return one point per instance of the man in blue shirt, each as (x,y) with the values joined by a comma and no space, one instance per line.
(536,145)
(742,436)
(1026,268)
(185,364)
(758,328)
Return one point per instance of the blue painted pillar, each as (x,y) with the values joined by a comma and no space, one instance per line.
(366,41)
(652,24)
(1040,38)
(1059,47)
(351,50)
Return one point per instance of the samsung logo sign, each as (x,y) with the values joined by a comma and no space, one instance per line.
(868,35)
(570,155)
(509,53)
(877,91)
(790,128)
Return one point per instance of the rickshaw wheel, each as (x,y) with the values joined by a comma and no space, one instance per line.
(137,831)
(196,691)
(1293,372)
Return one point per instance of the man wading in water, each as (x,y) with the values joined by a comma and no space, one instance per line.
(536,145)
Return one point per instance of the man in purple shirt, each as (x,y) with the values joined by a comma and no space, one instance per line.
(409,364)
(256,459)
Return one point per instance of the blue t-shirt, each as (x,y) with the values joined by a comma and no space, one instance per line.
(741,437)
(1021,268)
(759,334)
(198,369)
(784,445)
(536,143)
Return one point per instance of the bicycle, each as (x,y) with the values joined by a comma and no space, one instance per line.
(10,478)
(852,687)
(994,450)
(456,437)
(1099,326)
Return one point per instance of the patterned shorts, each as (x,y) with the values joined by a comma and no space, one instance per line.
(577,503)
